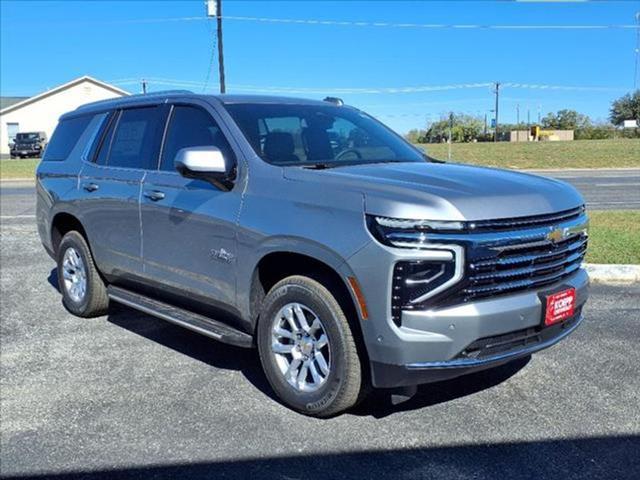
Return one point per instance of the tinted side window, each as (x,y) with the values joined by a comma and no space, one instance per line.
(66,137)
(192,127)
(105,142)
(135,142)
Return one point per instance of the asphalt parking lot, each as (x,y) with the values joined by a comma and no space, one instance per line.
(130,396)
(614,189)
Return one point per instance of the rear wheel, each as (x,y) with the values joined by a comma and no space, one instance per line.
(84,293)
(307,348)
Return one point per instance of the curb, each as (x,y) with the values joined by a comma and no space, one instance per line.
(583,170)
(18,180)
(602,273)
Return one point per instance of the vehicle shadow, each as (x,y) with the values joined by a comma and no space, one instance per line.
(379,404)
(571,458)
(220,355)
(247,362)
(194,345)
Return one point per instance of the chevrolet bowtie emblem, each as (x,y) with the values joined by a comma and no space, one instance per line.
(558,234)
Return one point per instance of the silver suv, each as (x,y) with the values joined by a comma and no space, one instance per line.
(311,231)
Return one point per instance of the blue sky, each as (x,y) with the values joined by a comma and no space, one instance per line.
(44,44)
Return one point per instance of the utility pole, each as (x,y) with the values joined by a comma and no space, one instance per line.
(214,9)
(528,123)
(450,128)
(635,72)
(144,86)
(518,121)
(485,123)
(539,108)
(497,92)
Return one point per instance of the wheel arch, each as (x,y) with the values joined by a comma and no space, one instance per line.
(61,224)
(329,270)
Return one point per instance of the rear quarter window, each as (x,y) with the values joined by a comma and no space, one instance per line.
(72,136)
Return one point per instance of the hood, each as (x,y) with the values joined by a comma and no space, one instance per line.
(446,191)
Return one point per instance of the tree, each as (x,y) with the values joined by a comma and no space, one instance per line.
(416,135)
(625,108)
(565,120)
(465,128)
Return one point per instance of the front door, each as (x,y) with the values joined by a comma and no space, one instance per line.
(189,226)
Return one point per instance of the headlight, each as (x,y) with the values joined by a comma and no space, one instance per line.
(422,280)
(402,233)
(422,225)
(416,283)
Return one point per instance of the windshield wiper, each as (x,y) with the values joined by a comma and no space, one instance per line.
(321,166)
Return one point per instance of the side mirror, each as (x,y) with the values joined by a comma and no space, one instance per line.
(206,163)
(200,160)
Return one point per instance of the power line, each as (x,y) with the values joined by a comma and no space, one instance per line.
(211,59)
(369,90)
(426,25)
(376,24)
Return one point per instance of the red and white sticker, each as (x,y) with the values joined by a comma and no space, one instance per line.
(560,306)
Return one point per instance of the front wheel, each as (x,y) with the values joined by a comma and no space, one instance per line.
(83,290)
(307,348)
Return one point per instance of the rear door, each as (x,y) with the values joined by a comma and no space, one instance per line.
(189,241)
(111,188)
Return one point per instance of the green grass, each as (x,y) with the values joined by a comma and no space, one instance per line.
(18,168)
(577,154)
(614,237)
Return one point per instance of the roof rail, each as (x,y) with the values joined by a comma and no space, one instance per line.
(335,100)
(161,93)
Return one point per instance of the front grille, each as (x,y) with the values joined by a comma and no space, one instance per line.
(524,265)
(501,257)
(526,222)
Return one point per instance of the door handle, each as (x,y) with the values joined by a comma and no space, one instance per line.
(154,195)
(91,187)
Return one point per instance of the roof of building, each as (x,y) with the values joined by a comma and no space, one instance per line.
(8,101)
(28,100)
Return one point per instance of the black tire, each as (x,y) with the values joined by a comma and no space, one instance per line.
(343,383)
(95,301)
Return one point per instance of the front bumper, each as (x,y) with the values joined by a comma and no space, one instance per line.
(388,376)
(16,151)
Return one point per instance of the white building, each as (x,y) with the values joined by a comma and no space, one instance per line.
(41,113)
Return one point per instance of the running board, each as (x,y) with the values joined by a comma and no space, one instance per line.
(198,323)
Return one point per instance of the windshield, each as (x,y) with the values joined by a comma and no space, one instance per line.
(326,135)
(24,137)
